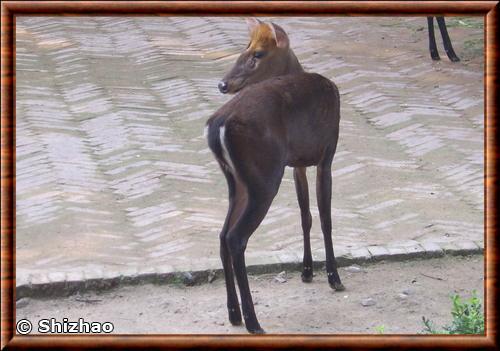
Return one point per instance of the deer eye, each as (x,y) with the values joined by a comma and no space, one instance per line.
(259,54)
(251,63)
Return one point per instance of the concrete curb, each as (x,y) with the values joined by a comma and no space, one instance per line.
(59,284)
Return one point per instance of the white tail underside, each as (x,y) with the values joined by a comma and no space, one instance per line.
(225,153)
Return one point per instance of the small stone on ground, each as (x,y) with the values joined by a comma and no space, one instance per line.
(368,302)
(353,269)
(281,277)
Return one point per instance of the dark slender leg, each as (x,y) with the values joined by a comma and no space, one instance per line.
(232,299)
(324,194)
(432,39)
(446,40)
(299,175)
(256,208)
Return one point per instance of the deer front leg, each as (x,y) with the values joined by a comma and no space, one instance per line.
(446,40)
(301,187)
(432,39)
(324,195)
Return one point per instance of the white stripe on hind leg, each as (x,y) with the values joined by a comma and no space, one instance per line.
(225,154)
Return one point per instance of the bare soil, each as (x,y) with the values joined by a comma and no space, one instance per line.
(403,292)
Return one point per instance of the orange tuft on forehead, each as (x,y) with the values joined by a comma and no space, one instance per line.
(262,36)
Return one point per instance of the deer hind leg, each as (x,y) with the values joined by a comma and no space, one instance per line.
(432,39)
(446,40)
(300,177)
(258,202)
(324,195)
(234,207)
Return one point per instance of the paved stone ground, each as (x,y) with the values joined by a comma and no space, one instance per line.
(114,176)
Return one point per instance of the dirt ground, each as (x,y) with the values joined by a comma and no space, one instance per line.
(403,292)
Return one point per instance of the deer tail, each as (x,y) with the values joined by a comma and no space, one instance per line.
(215,131)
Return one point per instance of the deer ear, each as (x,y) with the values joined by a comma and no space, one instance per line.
(252,24)
(280,36)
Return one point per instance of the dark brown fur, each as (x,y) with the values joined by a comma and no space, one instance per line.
(282,116)
(295,115)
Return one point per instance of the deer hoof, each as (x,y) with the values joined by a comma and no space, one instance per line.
(258,331)
(307,278)
(337,286)
(235,322)
(235,318)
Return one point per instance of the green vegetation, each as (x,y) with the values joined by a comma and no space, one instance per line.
(468,318)
(177,280)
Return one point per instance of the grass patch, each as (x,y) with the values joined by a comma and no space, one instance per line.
(380,329)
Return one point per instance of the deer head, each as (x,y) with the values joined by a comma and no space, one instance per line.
(267,55)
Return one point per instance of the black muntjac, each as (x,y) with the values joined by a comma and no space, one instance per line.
(280,116)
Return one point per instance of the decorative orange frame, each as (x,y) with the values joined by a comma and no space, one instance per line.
(11,9)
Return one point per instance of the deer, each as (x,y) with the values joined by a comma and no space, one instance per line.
(280,115)
(446,39)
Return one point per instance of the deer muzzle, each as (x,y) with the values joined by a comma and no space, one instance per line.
(223,87)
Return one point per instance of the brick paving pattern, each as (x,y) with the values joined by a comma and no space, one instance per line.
(115,177)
